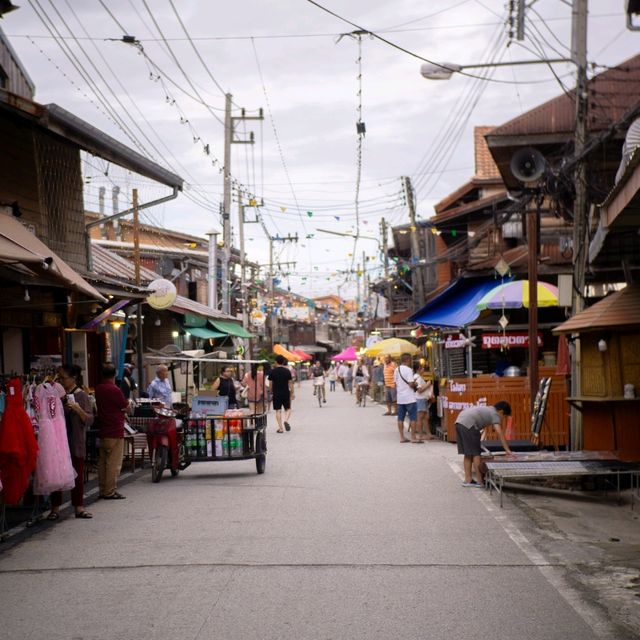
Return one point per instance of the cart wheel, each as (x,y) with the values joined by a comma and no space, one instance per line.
(158,462)
(261,457)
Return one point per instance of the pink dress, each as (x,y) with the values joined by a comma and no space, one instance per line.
(54,471)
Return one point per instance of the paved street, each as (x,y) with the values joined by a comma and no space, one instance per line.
(348,534)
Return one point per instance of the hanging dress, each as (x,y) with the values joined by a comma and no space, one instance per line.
(54,471)
(18,446)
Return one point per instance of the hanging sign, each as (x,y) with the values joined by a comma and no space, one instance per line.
(456,343)
(163,294)
(511,339)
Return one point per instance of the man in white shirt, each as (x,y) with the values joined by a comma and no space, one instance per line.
(160,386)
(406,397)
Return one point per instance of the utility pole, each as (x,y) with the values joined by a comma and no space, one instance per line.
(416,266)
(136,263)
(385,250)
(226,203)
(579,56)
(212,280)
(229,139)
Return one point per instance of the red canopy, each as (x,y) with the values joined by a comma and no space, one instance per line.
(302,354)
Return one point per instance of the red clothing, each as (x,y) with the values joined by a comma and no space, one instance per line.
(18,446)
(111,405)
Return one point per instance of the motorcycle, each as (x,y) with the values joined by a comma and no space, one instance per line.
(166,444)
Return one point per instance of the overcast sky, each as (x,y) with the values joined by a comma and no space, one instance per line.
(287,57)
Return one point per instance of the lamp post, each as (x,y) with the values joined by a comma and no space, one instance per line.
(579,58)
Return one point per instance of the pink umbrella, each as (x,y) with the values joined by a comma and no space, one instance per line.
(349,353)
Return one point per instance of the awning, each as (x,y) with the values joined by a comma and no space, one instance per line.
(204,333)
(456,305)
(19,245)
(186,306)
(311,348)
(231,328)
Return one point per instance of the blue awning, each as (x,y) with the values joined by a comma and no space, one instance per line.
(456,305)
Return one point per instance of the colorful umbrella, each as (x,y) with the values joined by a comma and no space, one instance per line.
(349,353)
(515,295)
(278,349)
(302,354)
(393,347)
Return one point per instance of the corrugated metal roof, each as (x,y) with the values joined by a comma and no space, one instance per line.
(112,265)
(620,309)
(608,102)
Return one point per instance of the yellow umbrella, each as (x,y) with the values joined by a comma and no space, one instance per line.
(278,349)
(393,347)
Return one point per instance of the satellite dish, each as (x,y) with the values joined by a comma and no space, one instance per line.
(528,164)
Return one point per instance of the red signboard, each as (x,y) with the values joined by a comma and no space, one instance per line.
(519,339)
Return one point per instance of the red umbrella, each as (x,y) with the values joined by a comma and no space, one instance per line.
(303,354)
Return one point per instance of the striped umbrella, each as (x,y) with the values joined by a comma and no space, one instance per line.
(515,295)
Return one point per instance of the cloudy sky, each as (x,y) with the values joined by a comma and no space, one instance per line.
(301,65)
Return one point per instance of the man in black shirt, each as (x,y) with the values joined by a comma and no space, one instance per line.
(281,384)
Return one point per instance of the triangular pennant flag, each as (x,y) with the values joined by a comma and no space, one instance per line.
(283,209)
(337,217)
(310,213)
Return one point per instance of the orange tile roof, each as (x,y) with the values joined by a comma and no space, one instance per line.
(485,165)
(618,310)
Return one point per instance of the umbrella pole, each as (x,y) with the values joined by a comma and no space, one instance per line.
(532,240)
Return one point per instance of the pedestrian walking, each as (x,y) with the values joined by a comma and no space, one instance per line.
(377,378)
(348,378)
(342,374)
(112,408)
(389,386)
(281,383)
(361,379)
(406,397)
(332,374)
(253,386)
(469,426)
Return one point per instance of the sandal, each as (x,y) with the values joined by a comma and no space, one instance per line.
(279,431)
(114,496)
(84,515)
(53,516)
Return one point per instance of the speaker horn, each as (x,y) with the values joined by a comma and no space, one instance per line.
(528,164)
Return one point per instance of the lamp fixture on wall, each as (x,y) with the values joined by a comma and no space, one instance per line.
(602,345)
(27,297)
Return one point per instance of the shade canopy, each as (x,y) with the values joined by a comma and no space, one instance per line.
(279,350)
(302,354)
(205,333)
(19,245)
(349,353)
(230,328)
(515,295)
(393,347)
(456,306)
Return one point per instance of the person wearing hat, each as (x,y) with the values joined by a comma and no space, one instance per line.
(128,384)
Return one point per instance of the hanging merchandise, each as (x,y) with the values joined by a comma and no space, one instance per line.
(18,446)
(54,471)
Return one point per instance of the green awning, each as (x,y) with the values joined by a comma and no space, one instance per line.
(193,320)
(231,328)
(203,332)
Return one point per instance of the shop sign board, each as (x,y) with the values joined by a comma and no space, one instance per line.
(163,294)
(456,343)
(512,339)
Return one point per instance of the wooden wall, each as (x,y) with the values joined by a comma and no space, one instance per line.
(461,393)
(16,80)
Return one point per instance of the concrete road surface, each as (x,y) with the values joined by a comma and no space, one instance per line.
(349,534)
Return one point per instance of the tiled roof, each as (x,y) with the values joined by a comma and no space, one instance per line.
(617,310)
(485,165)
(608,102)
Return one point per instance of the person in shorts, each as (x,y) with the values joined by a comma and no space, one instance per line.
(424,393)
(469,426)
(406,397)
(281,383)
(390,392)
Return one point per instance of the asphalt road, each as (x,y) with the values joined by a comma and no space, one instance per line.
(349,534)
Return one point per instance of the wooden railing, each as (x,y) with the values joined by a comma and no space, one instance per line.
(461,393)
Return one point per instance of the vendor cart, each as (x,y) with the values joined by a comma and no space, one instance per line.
(210,431)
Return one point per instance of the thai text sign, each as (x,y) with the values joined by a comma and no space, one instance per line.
(511,339)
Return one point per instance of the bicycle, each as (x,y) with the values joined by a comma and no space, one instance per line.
(321,393)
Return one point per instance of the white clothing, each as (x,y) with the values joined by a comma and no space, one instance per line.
(405,394)
(318,381)
(342,371)
(427,394)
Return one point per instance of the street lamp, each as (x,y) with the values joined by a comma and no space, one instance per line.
(445,70)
